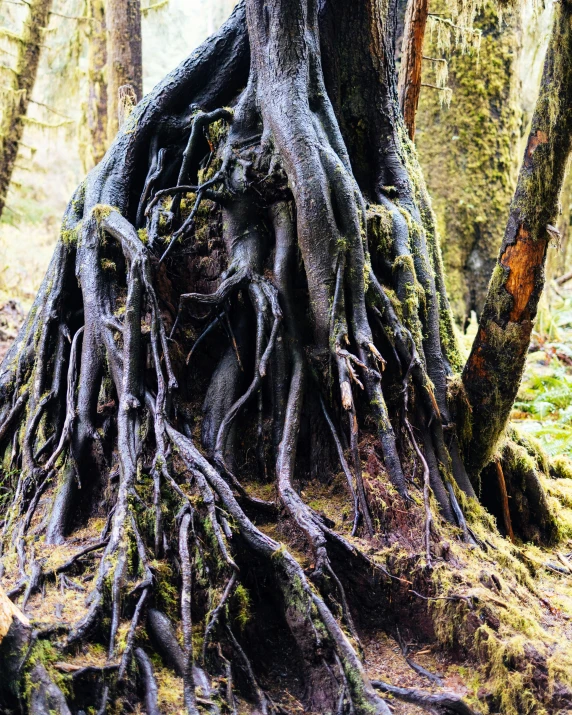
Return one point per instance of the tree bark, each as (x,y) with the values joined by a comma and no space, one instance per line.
(468,153)
(494,369)
(411,61)
(25,71)
(94,130)
(124,56)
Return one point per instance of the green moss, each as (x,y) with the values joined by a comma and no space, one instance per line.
(108,265)
(166,591)
(379,229)
(101,211)
(561,467)
(468,152)
(44,652)
(242,598)
(69,236)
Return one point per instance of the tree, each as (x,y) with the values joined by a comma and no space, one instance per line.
(499,350)
(17,97)
(124,57)
(114,74)
(468,152)
(310,303)
(94,125)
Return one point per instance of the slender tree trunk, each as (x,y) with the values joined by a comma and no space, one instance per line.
(94,128)
(25,71)
(493,372)
(468,152)
(124,56)
(412,61)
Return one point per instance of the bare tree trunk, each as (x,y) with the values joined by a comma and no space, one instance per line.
(94,128)
(412,61)
(124,56)
(26,68)
(493,372)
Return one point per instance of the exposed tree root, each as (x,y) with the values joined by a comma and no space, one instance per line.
(331,336)
(436,703)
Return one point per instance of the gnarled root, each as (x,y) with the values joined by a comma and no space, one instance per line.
(252,217)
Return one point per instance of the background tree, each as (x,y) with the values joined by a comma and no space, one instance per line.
(499,350)
(469,150)
(94,142)
(124,56)
(258,243)
(18,92)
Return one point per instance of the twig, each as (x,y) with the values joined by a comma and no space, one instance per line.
(504,500)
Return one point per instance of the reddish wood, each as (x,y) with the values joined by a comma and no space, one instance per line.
(504,501)
(412,60)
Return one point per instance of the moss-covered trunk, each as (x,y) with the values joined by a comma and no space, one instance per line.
(28,48)
(469,151)
(493,372)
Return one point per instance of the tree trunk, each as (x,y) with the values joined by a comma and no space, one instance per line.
(493,372)
(124,56)
(468,152)
(25,70)
(94,129)
(252,270)
(412,61)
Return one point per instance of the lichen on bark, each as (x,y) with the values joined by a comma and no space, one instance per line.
(469,151)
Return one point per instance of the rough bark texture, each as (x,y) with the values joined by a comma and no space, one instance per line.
(124,56)
(468,152)
(94,125)
(246,306)
(412,61)
(28,48)
(492,374)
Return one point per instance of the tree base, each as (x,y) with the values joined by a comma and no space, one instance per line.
(230,450)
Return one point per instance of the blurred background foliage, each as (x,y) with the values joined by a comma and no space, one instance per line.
(49,163)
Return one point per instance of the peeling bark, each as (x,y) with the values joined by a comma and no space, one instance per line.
(411,61)
(493,372)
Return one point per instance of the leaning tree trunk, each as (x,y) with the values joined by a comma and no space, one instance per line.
(493,372)
(28,48)
(468,150)
(247,297)
(124,57)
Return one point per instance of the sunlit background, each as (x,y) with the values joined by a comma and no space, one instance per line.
(49,166)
